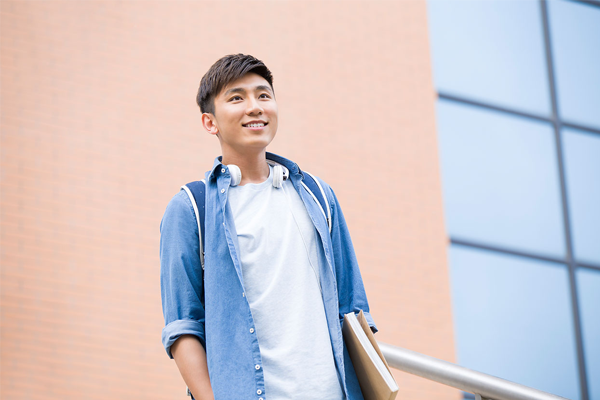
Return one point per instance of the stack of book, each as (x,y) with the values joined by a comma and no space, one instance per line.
(374,376)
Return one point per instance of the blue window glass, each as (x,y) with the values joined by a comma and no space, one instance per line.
(490,51)
(582,165)
(512,319)
(588,285)
(575,30)
(500,179)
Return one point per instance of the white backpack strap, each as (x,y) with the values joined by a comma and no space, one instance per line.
(193,200)
(328,216)
(315,199)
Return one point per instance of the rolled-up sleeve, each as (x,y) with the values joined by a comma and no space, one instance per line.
(351,290)
(181,275)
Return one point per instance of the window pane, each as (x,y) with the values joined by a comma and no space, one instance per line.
(512,319)
(575,29)
(500,179)
(588,285)
(582,165)
(491,51)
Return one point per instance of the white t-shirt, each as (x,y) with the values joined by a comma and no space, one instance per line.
(280,252)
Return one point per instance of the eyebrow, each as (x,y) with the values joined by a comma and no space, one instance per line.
(241,90)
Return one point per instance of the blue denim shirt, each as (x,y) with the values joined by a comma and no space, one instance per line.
(223,322)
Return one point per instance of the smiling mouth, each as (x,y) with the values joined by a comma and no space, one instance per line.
(255,125)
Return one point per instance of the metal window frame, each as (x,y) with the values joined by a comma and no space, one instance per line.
(593,3)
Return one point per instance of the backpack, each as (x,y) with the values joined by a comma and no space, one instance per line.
(196,191)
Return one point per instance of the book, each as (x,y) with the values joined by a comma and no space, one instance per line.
(374,376)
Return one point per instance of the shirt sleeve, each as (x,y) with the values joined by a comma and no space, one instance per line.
(181,275)
(351,291)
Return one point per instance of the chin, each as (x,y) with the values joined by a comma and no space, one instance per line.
(260,142)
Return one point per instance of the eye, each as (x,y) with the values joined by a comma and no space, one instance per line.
(264,96)
(235,98)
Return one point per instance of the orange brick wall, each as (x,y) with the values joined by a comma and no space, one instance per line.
(100,128)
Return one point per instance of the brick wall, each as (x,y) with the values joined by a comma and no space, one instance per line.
(100,128)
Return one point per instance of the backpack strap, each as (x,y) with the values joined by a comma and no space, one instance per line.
(313,186)
(196,191)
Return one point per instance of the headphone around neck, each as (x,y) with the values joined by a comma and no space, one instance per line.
(280,174)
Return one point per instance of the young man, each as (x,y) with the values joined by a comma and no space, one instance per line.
(262,321)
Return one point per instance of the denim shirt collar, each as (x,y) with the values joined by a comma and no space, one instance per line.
(290,165)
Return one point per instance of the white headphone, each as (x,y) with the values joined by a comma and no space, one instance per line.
(280,174)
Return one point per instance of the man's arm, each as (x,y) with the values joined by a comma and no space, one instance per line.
(351,291)
(190,358)
(182,287)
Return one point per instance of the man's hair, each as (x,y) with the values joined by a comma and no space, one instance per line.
(223,72)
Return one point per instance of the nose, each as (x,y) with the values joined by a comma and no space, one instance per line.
(254,107)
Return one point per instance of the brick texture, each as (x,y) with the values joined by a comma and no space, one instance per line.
(100,128)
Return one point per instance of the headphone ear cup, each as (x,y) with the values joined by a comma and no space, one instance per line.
(286,173)
(236,174)
(278,176)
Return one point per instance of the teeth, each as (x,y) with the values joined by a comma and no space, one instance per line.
(255,125)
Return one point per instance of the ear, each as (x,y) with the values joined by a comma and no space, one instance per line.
(209,123)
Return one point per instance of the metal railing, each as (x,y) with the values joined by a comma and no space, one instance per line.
(482,385)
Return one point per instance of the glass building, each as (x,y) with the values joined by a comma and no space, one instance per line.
(518,119)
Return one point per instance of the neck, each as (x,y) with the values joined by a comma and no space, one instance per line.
(254,166)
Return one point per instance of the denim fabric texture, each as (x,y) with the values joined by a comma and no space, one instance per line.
(223,323)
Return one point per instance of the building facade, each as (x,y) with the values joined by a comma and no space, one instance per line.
(518,119)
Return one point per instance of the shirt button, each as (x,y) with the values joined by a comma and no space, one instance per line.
(252,331)
(222,169)
(260,398)
(257,367)
(222,190)
(243,294)
(259,391)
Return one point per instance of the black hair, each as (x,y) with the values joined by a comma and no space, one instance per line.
(226,70)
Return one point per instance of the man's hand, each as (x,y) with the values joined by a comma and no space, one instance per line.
(190,358)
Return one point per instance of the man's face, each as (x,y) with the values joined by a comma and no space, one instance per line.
(245,115)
